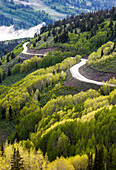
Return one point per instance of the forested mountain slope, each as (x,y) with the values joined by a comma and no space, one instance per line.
(76,6)
(104,59)
(76,126)
(21,16)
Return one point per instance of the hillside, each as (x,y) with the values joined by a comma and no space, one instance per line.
(77,6)
(21,16)
(69,7)
(50,119)
(104,59)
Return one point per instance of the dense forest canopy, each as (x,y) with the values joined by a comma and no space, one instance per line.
(50,124)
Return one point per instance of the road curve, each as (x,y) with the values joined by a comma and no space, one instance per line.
(25,50)
(76,74)
(74,69)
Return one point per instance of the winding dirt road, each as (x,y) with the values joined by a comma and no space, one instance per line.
(74,69)
(25,50)
(76,74)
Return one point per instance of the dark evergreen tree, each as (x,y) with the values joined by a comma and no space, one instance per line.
(63,37)
(49,34)
(50,26)
(56,39)
(17,137)
(16,161)
(39,37)
(5,52)
(2,149)
(7,58)
(9,72)
(115,30)
(101,157)
(102,53)
(75,31)
(10,113)
(111,23)
(35,35)
(90,161)
(0,78)
(34,44)
(45,38)
(12,55)
(96,160)
(101,19)
(3,113)
(87,37)
(54,32)
(60,30)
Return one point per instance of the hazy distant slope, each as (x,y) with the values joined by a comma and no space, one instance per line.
(77,6)
(60,9)
(22,16)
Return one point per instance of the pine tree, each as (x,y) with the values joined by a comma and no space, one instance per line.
(45,38)
(12,55)
(96,160)
(75,31)
(9,72)
(101,156)
(10,113)
(2,149)
(102,53)
(53,32)
(90,161)
(111,23)
(0,79)
(56,39)
(39,37)
(34,44)
(16,161)
(7,58)
(17,137)
(3,111)
(49,34)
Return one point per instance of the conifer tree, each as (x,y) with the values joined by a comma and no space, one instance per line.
(96,160)
(16,161)
(90,161)
(0,79)
(10,113)
(9,72)
(99,158)
(7,58)
(102,53)
(56,39)
(2,149)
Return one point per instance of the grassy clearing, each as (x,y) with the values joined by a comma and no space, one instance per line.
(55,91)
(10,80)
(6,129)
(53,13)
(109,67)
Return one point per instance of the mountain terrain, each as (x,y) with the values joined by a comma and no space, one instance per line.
(21,16)
(49,119)
(26,14)
(70,7)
